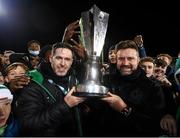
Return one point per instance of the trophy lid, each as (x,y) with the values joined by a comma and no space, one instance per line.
(93,25)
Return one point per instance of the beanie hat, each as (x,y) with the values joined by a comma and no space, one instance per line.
(5,93)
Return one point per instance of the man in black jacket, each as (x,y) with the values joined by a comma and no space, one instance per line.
(135,103)
(46,106)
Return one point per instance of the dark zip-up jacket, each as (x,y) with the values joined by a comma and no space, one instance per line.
(40,115)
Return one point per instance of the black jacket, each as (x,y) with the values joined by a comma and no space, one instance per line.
(144,97)
(40,115)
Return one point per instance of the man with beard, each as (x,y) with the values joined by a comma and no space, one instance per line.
(46,106)
(135,103)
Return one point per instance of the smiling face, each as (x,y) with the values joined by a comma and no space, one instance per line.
(15,71)
(159,71)
(127,61)
(164,58)
(61,61)
(160,67)
(5,109)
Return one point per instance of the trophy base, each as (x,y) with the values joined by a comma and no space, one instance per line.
(89,95)
(91,90)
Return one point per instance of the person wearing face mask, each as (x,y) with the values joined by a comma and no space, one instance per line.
(34,48)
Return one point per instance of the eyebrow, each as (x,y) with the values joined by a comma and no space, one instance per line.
(4,100)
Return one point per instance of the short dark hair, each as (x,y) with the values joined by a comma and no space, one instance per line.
(62,45)
(126,44)
(112,48)
(33,41)
(160,62)
(146,59)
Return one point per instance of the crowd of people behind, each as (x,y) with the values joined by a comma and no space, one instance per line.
(36,91)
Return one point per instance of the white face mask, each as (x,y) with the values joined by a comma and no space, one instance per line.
(34,53)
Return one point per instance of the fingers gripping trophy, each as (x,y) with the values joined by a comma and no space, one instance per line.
(93,26)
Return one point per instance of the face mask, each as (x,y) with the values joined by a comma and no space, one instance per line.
(34,53)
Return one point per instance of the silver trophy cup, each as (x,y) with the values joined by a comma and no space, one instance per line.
(93,26)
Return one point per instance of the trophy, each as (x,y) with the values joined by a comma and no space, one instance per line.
(93,27)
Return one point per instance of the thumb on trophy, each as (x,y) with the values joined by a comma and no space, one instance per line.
(71,91)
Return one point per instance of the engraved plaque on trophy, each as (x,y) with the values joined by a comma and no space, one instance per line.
(93,26)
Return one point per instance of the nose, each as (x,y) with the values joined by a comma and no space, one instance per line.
(125,61)
(63,62)
(146,69)
(113,55)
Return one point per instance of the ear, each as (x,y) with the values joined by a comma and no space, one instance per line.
(138,59)
(50,58)
(72,64)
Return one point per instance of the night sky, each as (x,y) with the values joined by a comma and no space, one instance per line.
(45,20)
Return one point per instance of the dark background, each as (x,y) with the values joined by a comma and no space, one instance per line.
(45,20)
